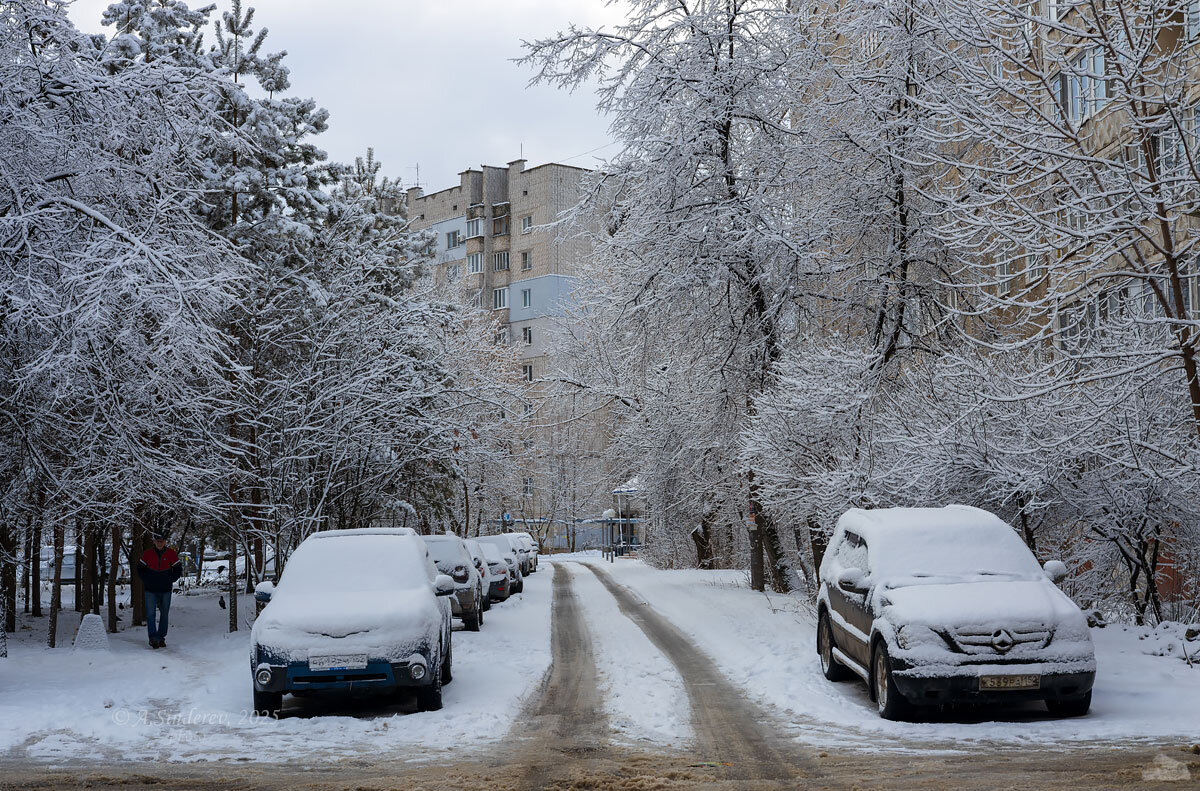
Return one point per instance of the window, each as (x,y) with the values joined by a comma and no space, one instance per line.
(527,370)
(500,261)
(1083,91)
(453,239)
(527,336)
(1057,9)
(501,337)
(499,298)
(1191,18)
(474,228)
(528,487)
(526,261)
(1004,272)
(1035,266)
(526,224)
(453,273)
(500,226)
(477,299)
(474,263)
(526,297)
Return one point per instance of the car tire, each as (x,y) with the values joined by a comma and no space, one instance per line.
(448,664)
(831,668)
(888,700)
(429,697)
(487,602)
(268,704)
(1070,707)
(471,622)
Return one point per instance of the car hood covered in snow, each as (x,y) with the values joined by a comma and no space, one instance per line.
(977,603)
(391,624)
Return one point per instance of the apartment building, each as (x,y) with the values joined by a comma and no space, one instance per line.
(496,252)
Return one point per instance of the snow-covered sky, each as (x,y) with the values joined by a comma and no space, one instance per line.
(429,82)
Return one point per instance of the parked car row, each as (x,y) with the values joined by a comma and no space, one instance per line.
(370,611)
(934,606)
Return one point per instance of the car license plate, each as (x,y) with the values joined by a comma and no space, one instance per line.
(337,662)
(1010,682)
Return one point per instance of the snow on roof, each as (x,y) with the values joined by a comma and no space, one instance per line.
(366,531)
(630,486)
(956,539)
(353,560)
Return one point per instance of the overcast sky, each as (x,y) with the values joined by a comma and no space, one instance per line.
(428,81)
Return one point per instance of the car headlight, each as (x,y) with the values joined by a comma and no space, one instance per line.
(904,638)
(263,675)
(417,671)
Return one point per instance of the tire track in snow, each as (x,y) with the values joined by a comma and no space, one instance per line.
(565,722)
(728,728)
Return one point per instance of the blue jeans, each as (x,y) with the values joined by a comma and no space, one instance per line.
(157,601)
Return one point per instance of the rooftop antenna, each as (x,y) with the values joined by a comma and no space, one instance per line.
(522,150)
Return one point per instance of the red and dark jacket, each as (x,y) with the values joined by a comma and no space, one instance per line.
(159,570)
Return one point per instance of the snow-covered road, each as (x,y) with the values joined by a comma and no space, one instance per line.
(189,703)
(764,643)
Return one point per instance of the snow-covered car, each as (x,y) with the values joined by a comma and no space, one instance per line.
(531,546)
(355,611)
(451,556)
(512,556)
(942,605)
(517,546)
(481,566)
(499,576)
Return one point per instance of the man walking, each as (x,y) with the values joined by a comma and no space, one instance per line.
(158,569)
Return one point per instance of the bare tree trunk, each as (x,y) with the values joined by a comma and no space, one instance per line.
(36,562)
(27,538)
(819,541)
(137,591)
(78,562)
(200,559)
(56,589)
(8,576)
(757,582)
(233,583)
(84,570)
(114,567)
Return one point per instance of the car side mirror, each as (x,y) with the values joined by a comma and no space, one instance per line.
(263,591)
(443,585)
(1056,570)
(853,581)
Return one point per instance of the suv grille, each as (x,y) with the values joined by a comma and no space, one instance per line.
(998,642)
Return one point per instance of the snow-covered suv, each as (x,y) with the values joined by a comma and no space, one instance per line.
(356,610)
(941,605)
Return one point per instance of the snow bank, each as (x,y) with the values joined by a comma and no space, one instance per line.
(191,701)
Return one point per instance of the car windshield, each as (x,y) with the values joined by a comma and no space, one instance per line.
(490,553)
(355,563)
(925,555)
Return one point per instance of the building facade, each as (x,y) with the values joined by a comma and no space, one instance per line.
(498,251)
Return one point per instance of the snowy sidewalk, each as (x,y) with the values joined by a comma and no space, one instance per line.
(764,643)
(191,701)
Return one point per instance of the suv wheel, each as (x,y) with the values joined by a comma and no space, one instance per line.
(268,704)
(429,697)
(891,704)
(1070,707)
(448,664)
(830,666)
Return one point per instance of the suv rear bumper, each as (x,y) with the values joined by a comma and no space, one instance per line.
(965,688)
